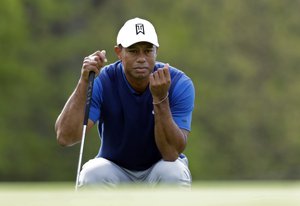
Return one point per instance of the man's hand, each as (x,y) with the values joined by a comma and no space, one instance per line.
(93,62)
(160,82)
(68,125)
(169,138)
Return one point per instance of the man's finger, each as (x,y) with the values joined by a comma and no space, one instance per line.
(99,56)
(160,73)
(166,71)
(151,79)
(156,77)
(103,52)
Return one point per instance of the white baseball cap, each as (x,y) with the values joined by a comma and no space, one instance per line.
(137,30)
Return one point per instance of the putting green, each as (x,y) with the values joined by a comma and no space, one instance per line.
(202,194)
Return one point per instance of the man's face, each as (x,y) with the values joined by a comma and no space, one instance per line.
(138,60)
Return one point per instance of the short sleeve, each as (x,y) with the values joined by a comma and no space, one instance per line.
(96,101)
(182,103)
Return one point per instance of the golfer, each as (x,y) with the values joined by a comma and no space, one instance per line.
(143,110)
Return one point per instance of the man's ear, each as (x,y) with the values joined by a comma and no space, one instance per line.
(156,52)
(118,51)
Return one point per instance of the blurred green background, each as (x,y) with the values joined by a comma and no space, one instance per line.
(243,57)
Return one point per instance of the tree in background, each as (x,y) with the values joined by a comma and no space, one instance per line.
(243,57)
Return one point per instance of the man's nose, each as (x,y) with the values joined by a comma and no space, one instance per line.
(141,57)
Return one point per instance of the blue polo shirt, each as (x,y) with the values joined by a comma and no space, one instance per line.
(126,120)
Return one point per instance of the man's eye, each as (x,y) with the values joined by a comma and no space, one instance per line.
(133,51)
(149,50)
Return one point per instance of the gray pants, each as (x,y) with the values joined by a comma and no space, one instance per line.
(102,172)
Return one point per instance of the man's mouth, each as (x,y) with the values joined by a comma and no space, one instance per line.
(141,69)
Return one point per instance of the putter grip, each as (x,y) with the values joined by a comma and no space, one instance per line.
(89,97)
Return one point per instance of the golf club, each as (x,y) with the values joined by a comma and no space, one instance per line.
(85,121)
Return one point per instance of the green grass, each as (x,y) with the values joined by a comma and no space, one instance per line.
(202,194)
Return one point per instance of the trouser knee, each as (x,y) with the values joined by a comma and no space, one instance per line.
(101,172)
(171,172)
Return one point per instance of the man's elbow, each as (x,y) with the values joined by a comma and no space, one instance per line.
(61,140)
(64,140)
(172,154)
(170,157)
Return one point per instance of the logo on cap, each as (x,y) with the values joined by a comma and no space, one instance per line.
(139,29)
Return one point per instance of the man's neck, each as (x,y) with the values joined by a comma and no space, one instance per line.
(139,86)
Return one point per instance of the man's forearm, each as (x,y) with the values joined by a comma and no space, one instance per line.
(68,125)
(169,138)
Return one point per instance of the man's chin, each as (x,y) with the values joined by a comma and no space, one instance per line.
(140,74)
